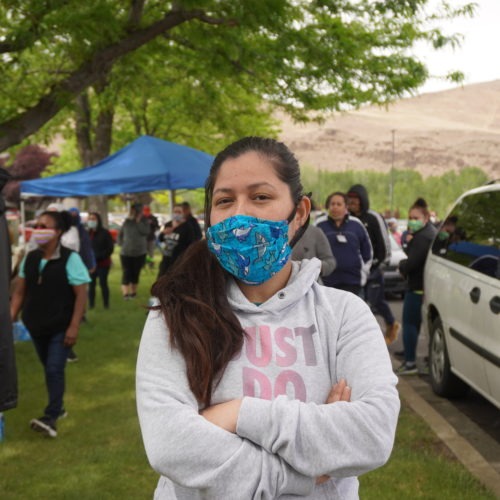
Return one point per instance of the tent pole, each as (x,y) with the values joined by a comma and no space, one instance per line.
(23,221)
(172,201)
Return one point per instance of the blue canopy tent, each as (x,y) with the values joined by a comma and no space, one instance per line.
(146,164)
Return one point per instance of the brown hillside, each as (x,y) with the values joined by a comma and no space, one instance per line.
(434,133)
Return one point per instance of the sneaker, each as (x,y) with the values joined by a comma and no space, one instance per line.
(72,357)
(63,414)
(407,369)
(46,425)
(423,370)
(392,332)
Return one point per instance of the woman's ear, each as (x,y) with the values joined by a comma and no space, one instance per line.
(303,211)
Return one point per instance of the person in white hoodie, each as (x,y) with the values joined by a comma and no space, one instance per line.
(253,380)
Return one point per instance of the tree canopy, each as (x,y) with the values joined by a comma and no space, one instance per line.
(240,56)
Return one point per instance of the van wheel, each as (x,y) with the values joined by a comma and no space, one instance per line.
(444,382)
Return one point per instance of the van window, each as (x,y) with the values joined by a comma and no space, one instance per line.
(470,235)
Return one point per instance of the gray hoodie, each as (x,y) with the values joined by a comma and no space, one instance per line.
(298,344)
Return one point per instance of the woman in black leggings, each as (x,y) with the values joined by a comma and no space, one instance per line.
(103,245)
(133,240)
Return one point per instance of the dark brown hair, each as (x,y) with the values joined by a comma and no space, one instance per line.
(421,205)
(330,196)
(97,215)
(62,220)
(193,295)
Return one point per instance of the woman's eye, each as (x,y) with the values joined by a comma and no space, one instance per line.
(262,197)
(222,201)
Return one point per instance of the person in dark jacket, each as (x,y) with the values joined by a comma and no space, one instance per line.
(85,250)
(154,225)
(52,292)
(191,221)
(174,239)
(86,253)
(359,206)
(421,234)
(102,245)
(8,372)
(350,246)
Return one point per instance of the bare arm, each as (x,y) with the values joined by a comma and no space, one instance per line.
(78,312)
(17,299)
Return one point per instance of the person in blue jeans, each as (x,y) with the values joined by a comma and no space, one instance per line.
(421,234)
(52,293)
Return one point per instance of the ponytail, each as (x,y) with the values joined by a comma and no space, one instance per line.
(202,326)
(421,204)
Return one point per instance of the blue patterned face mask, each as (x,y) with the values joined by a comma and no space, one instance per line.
(251,249)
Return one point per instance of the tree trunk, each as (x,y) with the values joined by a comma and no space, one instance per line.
(94,141)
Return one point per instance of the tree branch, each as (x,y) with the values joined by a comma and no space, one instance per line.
(82,127)
(13,131)
(19,43)
(135,13)
(189,45)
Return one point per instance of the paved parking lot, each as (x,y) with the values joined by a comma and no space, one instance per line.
(470,426)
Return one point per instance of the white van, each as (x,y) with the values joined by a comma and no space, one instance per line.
(461,308)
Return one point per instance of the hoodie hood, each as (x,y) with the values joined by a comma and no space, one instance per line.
(362,194)
(304,274)
(75,214)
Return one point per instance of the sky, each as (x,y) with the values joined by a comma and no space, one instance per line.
(477,57)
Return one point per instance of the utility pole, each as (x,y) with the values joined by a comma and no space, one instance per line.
(391,185)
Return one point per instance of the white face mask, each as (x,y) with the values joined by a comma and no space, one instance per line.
(42,236)
(92,224)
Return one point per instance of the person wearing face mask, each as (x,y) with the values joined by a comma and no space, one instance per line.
(52,293)
(102,246)
(253,380)
(350,246)
(175,238)
(421,233)
(133,241)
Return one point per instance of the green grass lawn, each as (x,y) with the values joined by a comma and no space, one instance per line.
(98,453)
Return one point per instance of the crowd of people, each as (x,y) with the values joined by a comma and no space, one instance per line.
(261,344)
(56,279)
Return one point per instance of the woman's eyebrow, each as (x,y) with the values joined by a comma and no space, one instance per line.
(222,190)
(256,185)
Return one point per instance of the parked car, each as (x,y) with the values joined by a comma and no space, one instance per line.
(462,297)
(394,283)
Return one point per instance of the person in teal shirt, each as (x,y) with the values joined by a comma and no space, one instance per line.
(52,293)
